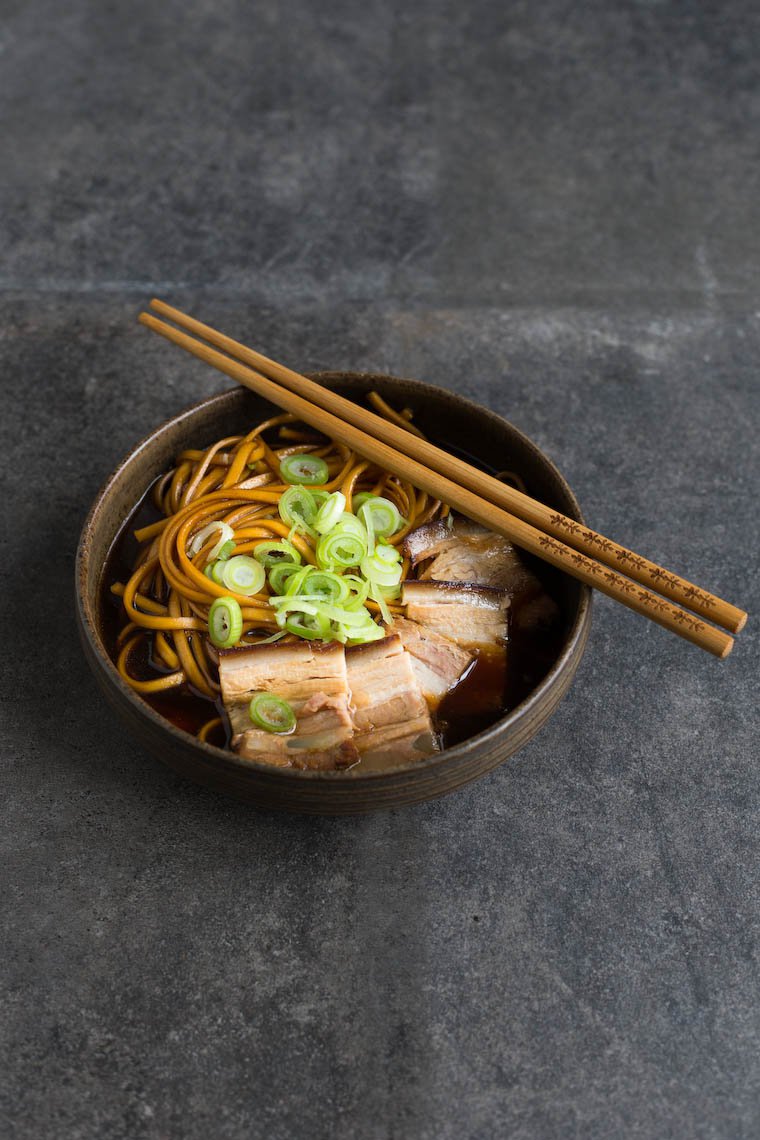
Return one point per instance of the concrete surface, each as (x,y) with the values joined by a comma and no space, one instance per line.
(552,208)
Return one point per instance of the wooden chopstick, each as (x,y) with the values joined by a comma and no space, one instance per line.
(524,535)
(544,518)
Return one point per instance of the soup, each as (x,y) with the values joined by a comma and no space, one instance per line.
(276,594)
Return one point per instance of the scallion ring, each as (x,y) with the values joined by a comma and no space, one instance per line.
(226,533)
(352,525)
(214,571)
(388,555)
(359,590)
(226,551)
(380,515)
(380,573)
(325,584)
(314,627)
(340,549)
(359,500)
(304,468)
(272,713)
(298,509)
(225,622)
(330,512)
(279,575)
(276,553)
(361,635)
(243,575)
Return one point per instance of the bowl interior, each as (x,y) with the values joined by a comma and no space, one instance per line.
(450,421)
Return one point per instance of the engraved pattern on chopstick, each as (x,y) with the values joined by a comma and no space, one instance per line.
(658,576)
(623,585)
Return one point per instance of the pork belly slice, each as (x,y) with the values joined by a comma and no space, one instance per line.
(438,662)
(465,551)
(391,718)
(312,677)
(473,616)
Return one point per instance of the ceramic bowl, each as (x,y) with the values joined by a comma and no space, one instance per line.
(449,420)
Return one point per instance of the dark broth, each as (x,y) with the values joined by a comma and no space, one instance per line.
(490,689)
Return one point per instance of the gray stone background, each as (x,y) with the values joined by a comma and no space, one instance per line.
(553,208)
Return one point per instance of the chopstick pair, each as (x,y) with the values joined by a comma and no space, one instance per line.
(553,537)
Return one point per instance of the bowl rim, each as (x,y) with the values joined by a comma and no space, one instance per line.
(224,758)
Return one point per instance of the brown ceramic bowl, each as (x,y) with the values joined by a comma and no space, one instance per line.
(449,420)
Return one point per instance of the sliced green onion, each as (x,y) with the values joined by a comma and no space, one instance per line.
(330,512)
(225,622)
(311,626)
(369,526)
(369,632)
(359,590)
(350,618)
(379,572)
(317,607)
(296,581)
(390,593)
(359,500)
(226,551)
(272,713)
(304,468)
(276,553)
(327,585)
(380,514)
(352,525)
(270,640)
(214,572)
(244,575)
(388,555)
(226,533)
(298,509)
(340,549)
(279,575)
(377,596)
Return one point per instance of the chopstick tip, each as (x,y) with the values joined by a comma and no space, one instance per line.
(726,649)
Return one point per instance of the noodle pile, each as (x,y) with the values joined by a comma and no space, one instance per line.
(237,481)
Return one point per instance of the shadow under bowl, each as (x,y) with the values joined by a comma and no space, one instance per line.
(450,421)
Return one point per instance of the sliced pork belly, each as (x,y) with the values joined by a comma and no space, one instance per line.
(391,718)
(312,677)
(438,662)
(473,616)
(465,551)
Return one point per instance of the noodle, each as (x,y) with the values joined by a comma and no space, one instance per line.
(235,483)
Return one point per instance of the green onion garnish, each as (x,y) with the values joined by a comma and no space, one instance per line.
(311,626)
(330,512)
(226,550)
(380,572)
(225,534)
(225,622)
(325,584)
(304,468)
(214,572)
(279,575)
(272,713)
(243,575)
(379,514)
(276,553)
(298,508)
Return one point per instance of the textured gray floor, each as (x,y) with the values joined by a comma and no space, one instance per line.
(554,209)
